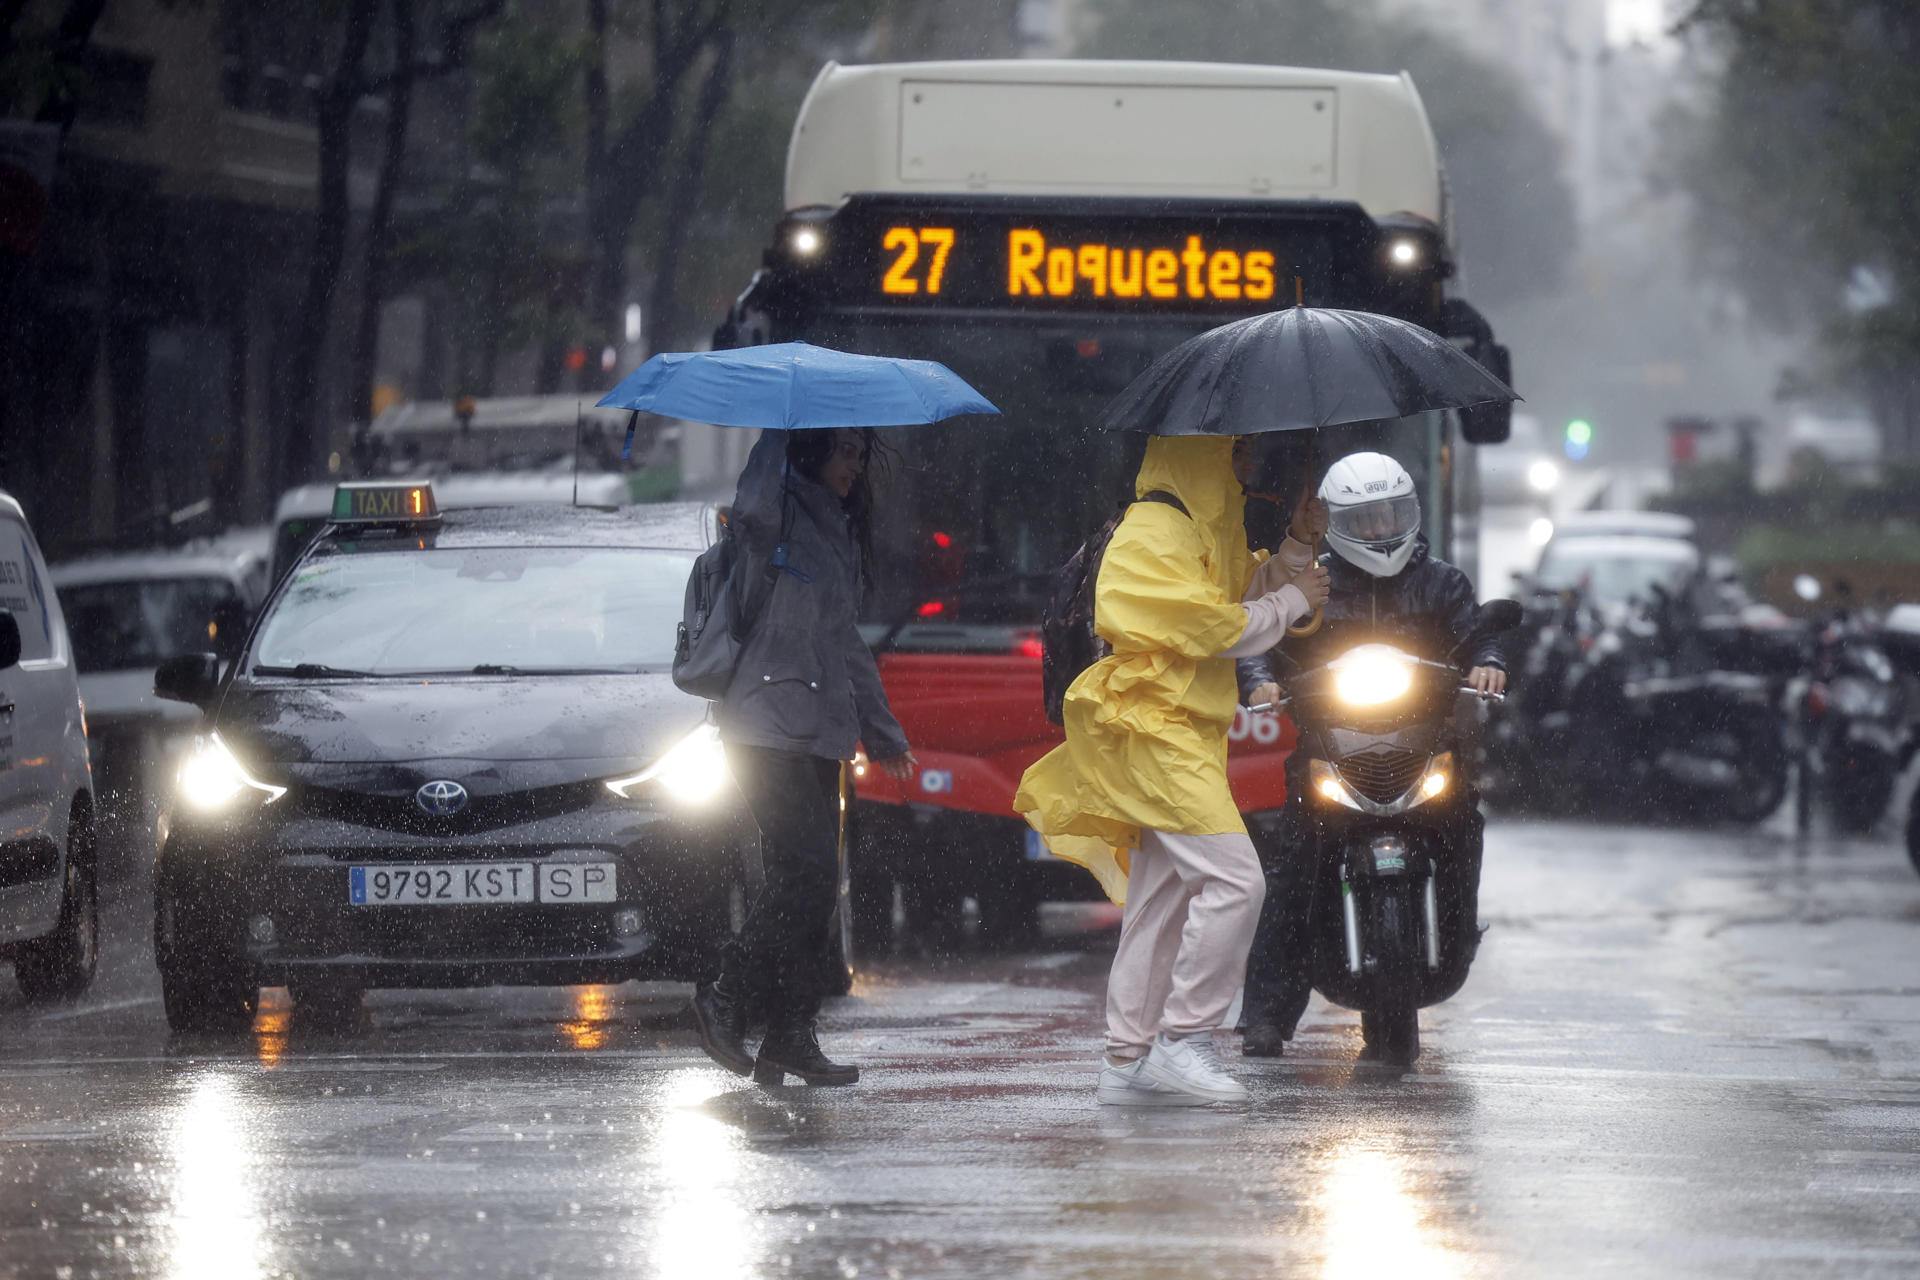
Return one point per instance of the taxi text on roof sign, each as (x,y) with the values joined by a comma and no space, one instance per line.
(385,502)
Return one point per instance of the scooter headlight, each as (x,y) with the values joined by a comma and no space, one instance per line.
(1371,675)
(1328,786)
(211,778)
(693,772)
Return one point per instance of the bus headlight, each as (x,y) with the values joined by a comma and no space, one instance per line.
(693,772)
(1371,674)
(210,778)
(806,241)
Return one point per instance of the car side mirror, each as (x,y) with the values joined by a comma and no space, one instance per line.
(9,639)
(189,677)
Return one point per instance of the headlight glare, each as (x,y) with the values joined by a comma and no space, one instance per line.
(1371,674)
(693,771)
(1328,786)
(1439,777)
(211,778)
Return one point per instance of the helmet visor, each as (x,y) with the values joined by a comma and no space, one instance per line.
(1385,523)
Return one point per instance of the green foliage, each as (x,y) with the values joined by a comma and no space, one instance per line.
(1770,544)
(1805,169)
(1515,212)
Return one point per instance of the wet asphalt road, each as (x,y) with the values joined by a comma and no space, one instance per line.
(1680,1054)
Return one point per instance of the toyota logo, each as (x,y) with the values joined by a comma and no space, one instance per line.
(441,798)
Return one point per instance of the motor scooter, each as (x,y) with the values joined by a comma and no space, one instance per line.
(1849,724)
(1384,788)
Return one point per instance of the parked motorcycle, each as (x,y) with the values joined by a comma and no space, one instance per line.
(1522,748)
(1850,722)
(1385,789)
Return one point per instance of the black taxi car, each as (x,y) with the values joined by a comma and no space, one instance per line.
(450,754)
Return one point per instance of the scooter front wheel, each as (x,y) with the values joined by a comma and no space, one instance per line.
(1391,1034)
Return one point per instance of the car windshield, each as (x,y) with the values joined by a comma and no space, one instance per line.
(1611,576)
(457,610)
(144,621)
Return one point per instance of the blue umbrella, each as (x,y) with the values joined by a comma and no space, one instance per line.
(792,386)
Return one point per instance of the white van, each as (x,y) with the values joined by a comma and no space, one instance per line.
(131,611)
(49,904)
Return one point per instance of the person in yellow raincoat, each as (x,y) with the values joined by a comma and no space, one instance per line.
(1138,792)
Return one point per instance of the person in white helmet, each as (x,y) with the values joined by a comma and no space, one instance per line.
(1383,585)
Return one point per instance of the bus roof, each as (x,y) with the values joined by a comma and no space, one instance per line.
(1066,127)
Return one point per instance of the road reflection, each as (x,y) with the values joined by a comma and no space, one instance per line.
(216,1224)
(592,1020)
(704,1231)
(1376,1216)
(271,1022)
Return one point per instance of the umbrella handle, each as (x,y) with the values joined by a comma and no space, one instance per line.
(1311,625)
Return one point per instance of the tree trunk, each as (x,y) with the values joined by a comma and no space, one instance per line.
(619,168)
(366,338)
(663,302)
(306,414)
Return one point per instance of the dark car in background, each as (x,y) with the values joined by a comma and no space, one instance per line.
(451,754)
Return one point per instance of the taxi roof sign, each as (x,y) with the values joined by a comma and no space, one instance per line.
(385,502)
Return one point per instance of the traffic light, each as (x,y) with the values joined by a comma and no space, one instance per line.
(1579,438)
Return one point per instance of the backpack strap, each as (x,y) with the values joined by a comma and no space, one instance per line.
(1162,496)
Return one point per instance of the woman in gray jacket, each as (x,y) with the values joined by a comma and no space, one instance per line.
(805,694)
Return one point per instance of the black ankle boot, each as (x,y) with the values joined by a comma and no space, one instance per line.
(1262,1040)
(794,1050)
(721,1014)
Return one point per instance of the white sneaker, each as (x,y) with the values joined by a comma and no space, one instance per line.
(1124,1086)
(1191,1066)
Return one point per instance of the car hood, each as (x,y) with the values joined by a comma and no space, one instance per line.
(550,730)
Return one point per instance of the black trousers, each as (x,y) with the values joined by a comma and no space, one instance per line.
(779,961)
(1280,966)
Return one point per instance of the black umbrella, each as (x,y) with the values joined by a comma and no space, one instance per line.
(1298,369)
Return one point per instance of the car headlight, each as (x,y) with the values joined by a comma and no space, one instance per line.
(211,778)
(692,772)
(1371,674)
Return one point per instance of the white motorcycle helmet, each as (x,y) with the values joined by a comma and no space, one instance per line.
(1373,512)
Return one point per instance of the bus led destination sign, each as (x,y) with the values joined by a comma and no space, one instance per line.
(1015,261)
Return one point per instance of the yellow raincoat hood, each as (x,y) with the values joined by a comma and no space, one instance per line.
(1147,726)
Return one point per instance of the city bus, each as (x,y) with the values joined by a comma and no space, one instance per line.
(1047,229)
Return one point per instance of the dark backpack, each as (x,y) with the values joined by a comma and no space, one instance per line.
(724,599)
(1068,642)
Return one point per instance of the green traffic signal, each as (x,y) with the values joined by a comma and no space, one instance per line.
(1579,431)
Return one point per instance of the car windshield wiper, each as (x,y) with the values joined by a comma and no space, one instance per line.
(312,671)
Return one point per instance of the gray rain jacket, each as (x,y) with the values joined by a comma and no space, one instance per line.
(806,680)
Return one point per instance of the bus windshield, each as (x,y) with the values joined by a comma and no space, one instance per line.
(974,519)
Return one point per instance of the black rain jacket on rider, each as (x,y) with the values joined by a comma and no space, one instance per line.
(1427,608)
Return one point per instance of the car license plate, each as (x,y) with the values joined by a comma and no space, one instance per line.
(452,884)
(576,882)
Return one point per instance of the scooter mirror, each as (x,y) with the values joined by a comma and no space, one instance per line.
(1497,616)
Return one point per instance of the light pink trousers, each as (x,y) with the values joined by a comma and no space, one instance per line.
(1192,905)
